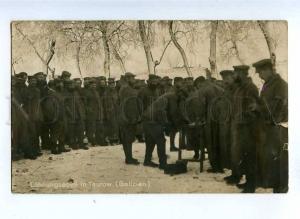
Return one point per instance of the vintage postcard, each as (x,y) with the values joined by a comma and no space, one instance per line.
(149,106)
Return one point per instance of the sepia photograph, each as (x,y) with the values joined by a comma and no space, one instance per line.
(149,106)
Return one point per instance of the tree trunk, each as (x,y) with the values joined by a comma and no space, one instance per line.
(106,52)
(213,48)
(147,48)
(269,40)
(180,49)
(78,49)
(49,56)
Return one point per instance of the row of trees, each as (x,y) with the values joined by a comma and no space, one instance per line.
(113,38)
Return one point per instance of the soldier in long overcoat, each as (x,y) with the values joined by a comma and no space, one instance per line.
(54,116)
(129,116)
(245,130)
(92,103)
(33,109)
(111,103)
(273,156)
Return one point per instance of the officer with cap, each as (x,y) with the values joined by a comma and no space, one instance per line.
(92,103)
(111,110)
(129,116)
(33,109)
(147,96)
(44,128)
(185,138)
(54,116)
(21,139)
(100,122)
(222,114)
(244,130)
(274,109)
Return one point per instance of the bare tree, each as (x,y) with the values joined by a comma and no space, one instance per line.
(157,62)
(76,33)
(14,62)
(231,34)
(117,56)
(49,52)
(180,49)
(213,48)
(270,42)
(146,45)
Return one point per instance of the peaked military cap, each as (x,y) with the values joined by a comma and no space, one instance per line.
(243,68)
(189,79)
(152,77)
(199,79)
(66,74)
(263,63)
(101,78)
(176,79)
(129,74)
(21,75)
(225,73)
(77,79)
(166,78)
(39,74)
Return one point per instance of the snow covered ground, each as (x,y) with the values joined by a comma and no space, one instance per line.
(102,170)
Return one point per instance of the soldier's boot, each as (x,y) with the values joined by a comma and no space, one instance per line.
(172,141)
(150,164)
(45,139)
(83,146)
(54,149)
(128,154)
(161,151)
(215,170)
(281,189)
(232,180)
(148,154)
(74,146)
(30,156)
(37,149)
(16,155)
(249,188)
(162,165)
(29,152)
(62,149)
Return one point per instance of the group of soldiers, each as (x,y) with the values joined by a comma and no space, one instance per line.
(240,128)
